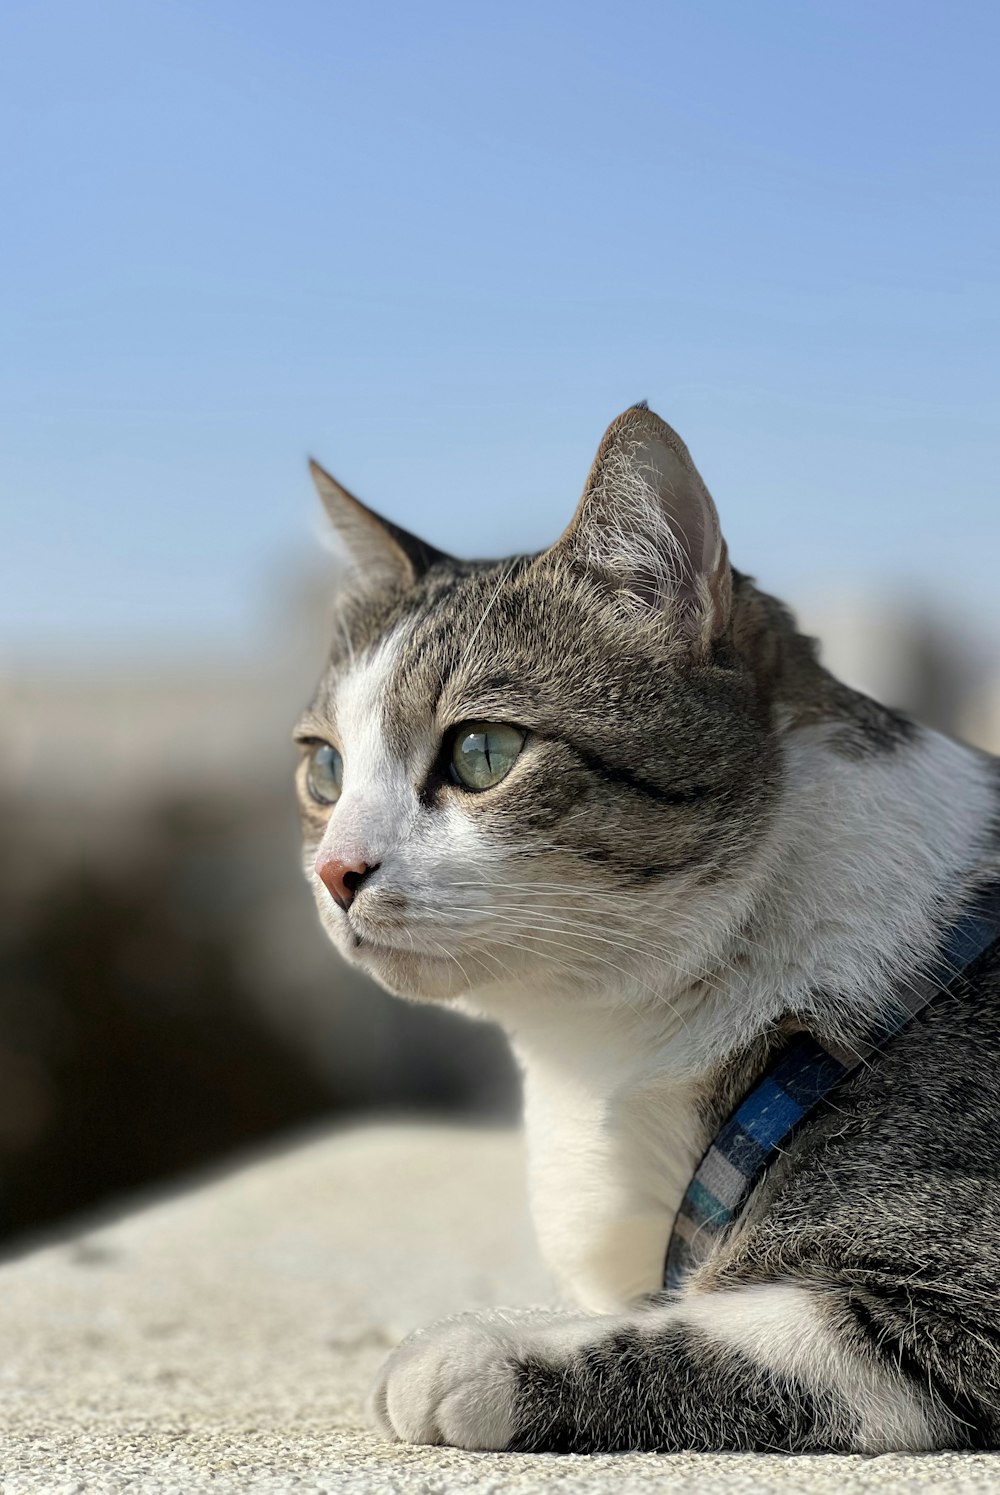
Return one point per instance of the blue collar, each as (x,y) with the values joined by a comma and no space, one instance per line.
(802,1075)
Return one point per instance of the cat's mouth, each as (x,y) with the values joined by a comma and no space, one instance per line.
(365,945)
(362,943)
(365,942)
(406,969)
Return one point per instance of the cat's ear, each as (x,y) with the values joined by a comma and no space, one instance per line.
(384,555)
(646,524)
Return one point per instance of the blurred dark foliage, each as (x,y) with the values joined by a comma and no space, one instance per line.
(127,1049)
(137,1040)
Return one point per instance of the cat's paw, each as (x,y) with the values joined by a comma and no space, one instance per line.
(456,1382)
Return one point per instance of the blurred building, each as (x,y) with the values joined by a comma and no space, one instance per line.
(887,645)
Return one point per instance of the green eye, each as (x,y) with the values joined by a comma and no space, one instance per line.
(484,753)
(325,774)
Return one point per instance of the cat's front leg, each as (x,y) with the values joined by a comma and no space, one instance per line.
(770,1367)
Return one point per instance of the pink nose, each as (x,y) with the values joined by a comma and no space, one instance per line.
(342,879)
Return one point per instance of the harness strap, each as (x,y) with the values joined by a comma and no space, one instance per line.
(802,1075)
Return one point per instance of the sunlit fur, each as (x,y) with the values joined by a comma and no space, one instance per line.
(705,842)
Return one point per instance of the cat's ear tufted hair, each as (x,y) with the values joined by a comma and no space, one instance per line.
(385,556)
(647,525)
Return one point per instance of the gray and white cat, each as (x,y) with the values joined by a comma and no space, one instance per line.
(607,796)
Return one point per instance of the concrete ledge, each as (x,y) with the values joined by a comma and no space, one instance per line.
(223,1340)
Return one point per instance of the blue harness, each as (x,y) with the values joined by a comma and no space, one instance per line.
(795,1083)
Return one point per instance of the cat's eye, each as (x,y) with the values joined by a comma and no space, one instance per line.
(483,753)
(325,773)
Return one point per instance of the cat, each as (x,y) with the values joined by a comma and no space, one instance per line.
(608,797)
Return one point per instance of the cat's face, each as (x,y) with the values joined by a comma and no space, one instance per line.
(533,772)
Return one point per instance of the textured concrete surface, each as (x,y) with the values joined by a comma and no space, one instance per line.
(223,1340)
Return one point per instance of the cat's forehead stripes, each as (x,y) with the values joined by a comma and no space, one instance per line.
(446,648)
(419,647)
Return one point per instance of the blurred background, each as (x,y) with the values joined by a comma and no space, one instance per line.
(440,247)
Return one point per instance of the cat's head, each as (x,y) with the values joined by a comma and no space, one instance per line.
(535,772)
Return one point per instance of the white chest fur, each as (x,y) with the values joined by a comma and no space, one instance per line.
(610,1154)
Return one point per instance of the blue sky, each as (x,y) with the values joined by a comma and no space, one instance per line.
(440,246)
